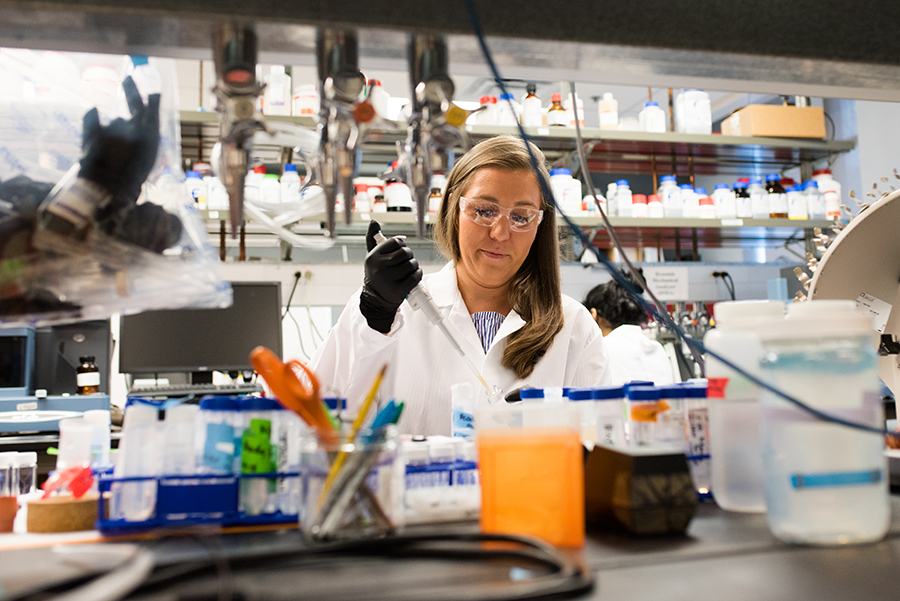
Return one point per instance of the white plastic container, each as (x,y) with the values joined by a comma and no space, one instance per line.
(611,203)
(462,418)
(138,457)
(379,98)
(270,190)
(306,100)
(652,118)
(100,437)
(796,203)
(815,202)
(706,205)
(179,434)
(489,115)
(361,201)
(397,196)
(290,184)
(831,190)
(76,438)
(693,112)
(217,195)
(641,405)
(608,109)
(252,182)
(696,427)
(759,198)
(734,409)
(563,190)
(507,110)
(826,484)
(570,114)
(196,188)
(639,205)
(670,196)
(726,207)
(655,207)
(623,198)
(690,202)
(532,110)
(277,92)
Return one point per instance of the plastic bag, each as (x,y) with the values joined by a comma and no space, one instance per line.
(94,216)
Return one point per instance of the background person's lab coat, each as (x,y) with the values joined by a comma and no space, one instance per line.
(422,365)
(634,356)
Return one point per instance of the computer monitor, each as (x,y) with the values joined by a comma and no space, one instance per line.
(200,341)
(16,362)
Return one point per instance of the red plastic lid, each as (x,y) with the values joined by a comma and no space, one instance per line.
(746,180)
(484,99)
(787,181)
(653,198)
(821,171)
(638,199)
(362,188)
(707,200)
(260,169)
(374,82)
(555,98)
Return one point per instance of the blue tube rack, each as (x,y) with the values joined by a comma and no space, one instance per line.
(187,500)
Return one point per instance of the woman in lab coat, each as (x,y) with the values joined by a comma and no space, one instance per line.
(500,293)
(632,355)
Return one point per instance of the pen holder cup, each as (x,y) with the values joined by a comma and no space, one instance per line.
(351,488)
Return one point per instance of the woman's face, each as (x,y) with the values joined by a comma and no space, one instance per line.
(491,255)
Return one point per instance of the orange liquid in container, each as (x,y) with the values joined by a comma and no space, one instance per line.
(532,482)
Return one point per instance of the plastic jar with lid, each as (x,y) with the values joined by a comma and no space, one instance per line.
(706,205)
(179,430)
(217,433)
(623,198)
(587,410)
(726,206)
(734,414)
(561,185)
(306,100)
(652,118)
(743,205)
(638,205)
(826,484)
(196,189)
(831,190)
(693,112)
(361,201)
(690,202)
(796,203)
(670,196)
(610,401)
(759,198)
(290,184)
(655,207)
(643,408)
(608,110)
(815,202)
(397,196)
(507,110)
(487,116)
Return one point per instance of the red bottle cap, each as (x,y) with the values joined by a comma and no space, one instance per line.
(706,200)
(638,199)
(374,82)
(821,171)
(653,198)
(260,169)
(555,98)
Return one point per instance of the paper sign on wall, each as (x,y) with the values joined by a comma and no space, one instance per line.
(875,308)
(668,283)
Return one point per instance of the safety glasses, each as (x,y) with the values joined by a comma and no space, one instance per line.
(486,213)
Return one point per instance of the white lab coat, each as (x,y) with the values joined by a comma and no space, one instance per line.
(422,365)
(634,356)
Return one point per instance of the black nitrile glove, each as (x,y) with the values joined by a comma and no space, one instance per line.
(391,273)
(120,156)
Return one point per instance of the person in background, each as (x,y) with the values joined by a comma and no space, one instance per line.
(632,355)
(500,291)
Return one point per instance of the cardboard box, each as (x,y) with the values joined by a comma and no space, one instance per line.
(776,121)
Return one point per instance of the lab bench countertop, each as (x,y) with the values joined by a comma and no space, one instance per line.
(723,556)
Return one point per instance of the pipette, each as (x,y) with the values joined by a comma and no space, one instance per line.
(420,299)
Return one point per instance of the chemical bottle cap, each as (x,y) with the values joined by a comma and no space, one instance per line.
(484,100)
(672,391)
(362,188)
(651,103)
(667,178)
(707,201)
(290,167)
(720,187)
(579,394)
(335,403)
(792,189)
(507,97)
(271,176)
(492,99)
(8,458)
(653,198)
(811,184)
(694,390)
(755,181)
(622,182)
(374,82)
(740,184)
(260,169)
(561,171)
(787,181)
(643,393)
(531,393)
(773,177)
(277,69)
(259,403)
(194,174)
(685,187)
(819,319)
(700,191)
(607,96)
(219,403)
(639,199)
(555,98)
(603,393)
(734,312)
(531,87)
(821,172)
(438,180)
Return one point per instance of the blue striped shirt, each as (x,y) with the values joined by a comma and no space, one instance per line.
(487,323)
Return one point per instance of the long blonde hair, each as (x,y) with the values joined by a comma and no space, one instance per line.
(534,292)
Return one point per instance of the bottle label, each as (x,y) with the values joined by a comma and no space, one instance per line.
(778,203)
(698,433)
(557,117)
(609,119)
(218,451)
(91,378)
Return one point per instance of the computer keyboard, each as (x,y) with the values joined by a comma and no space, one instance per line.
(179,390)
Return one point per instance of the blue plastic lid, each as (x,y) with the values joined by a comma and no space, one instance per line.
(685,187)
(580,394)
(622,182)
(651,103)
(335,404)
(561,171)
(531,393)
(507,97)
(810,184)
(721,187)
(194,174)
(773,177)
(694,391)
(566,391)
(632,383)
(643,393)
(220,403)
(667,178)
(603,393)
(137,61)
(700,191)
(740,184)
(672,391)
(290,167)
(259,403)
(755,180)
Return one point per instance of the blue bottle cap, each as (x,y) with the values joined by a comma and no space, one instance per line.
(672,391)
(561,171)
(290,167)
(721,187)
(193,174)
(335,404)
(739,185)
(694,391)
(755,180)
(622,182)
(628,385)
(651,103)
(259,403)
(531,393)
(603,393)
(667,178)
(219,403)
(643,393)
(685,187)
(773,177)
(580,394)
(700,191)
(507,97)
(810,184)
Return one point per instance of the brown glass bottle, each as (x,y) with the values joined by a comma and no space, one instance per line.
(777,197)
(556,114)
(87,376)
